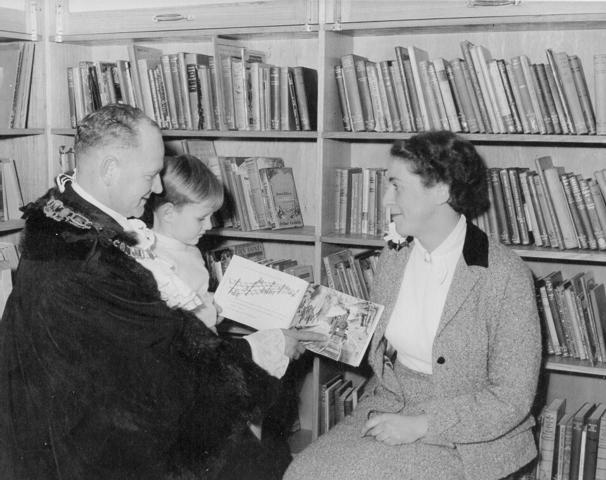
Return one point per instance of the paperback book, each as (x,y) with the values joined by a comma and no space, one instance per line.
(263,298)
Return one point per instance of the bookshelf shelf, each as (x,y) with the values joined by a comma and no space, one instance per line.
(581,256)
(11,225)
(20,132)
(373,241)
(215,134)
(573,365)
(512,139)
(305,234)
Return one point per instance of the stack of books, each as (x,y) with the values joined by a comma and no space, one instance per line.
(338,397)
(359,201)
(234,89)
(573,313)
(473,93)
(16,66)
(351,273)
(260,193)
(572,442)
(546,207)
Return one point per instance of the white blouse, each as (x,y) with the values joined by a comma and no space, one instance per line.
(416,315)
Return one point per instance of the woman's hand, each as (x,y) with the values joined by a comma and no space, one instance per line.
(395,429)
(293,348)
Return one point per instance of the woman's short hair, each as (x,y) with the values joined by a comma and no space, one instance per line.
(444,157)
(114,124)
(186,179)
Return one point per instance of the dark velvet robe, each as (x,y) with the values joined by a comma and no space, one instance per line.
(99,379)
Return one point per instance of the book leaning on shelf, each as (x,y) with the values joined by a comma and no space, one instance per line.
(263,298)
(16,67)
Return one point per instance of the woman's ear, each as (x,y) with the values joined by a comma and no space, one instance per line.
(442,193)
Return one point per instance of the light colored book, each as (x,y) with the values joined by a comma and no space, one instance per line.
(264,298)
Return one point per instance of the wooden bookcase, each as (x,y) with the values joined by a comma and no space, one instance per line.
(316,33)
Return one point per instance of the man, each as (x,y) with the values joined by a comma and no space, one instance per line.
(100,379)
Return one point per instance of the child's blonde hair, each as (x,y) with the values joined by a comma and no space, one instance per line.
(186,179)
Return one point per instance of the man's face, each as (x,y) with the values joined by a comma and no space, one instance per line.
(412,204)
(190,222)
(138,173)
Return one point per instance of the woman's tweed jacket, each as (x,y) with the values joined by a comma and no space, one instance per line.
(486,356)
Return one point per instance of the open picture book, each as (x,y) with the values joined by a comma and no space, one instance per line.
(263,298)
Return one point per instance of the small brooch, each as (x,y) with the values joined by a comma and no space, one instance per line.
(56,210)
(134,251)
(394,240)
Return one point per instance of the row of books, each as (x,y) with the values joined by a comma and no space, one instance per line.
(573,313)
(547,207)
(351,273)
(16,66)
(359,201)
(217,260)
(472,94)
(338,397)
(572,443)
(233,90)
(261,193)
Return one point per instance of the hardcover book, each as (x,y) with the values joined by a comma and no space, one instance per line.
(279,183)
(264,298)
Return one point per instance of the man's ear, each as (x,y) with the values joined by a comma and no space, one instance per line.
(108,169)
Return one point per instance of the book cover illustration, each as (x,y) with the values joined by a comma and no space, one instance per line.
(283,199)
(264,298)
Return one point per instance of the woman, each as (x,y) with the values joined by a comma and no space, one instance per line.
(456,355)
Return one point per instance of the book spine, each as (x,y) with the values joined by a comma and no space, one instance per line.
(600,471)
(414,96)
(390,95)
(406,87)
(510,96)
(539,211)
(540,94)
(600,205)
(342,98)
(364,89)
(275,89)
(510,207)
(400,94)
(561,208)
(574,212)
(564,72)
(567,116)
(458,100)
(529,209)
(478,100)
(526,101)
(599,72)
(168,82)
(504,230)
(301,89)
(581,86)
(541,73)
(377,105)
(518,203)
(581,198)
(353,94)
(503,105)
(557,100)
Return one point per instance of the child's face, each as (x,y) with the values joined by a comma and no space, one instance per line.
(191,221)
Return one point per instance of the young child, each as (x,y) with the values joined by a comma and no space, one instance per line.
(181,215)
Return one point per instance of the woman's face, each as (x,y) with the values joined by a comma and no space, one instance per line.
(412,205)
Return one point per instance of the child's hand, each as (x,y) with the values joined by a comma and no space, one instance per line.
(293,346)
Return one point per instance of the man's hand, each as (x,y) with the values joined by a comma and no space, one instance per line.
(293,348)
(395,429)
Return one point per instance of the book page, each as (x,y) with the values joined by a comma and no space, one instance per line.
(258,296)
(349,322)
